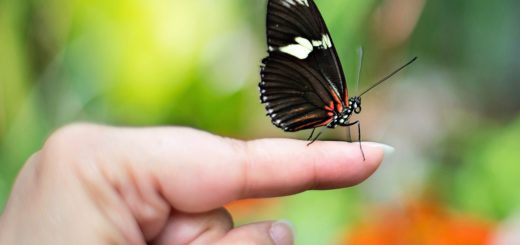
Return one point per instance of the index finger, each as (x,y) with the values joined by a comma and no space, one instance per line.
(197,171)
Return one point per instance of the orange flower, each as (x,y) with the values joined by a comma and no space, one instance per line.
(426,223)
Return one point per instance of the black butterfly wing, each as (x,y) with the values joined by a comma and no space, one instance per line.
(302,80)
(296,96)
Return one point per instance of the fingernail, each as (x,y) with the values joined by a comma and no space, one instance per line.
(282,232)
(388,150)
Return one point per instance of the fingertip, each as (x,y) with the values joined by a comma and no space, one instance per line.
(282,232)
(377,153)
(387,149)
(346,164)
(274,163)
(268,232)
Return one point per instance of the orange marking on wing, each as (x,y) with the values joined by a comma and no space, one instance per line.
(330,114)
(330,107)
(339,106)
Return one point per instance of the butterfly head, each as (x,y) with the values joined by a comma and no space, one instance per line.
(354,105)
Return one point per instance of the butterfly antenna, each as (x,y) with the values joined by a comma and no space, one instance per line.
(390,75)
(360,66)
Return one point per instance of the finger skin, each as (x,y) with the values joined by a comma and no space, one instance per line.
(95,184)
(273,163)
(197,228)
(256,233)
(50,205)
(227,169)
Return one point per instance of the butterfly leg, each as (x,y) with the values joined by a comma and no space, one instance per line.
(349,135)
(359,136)
(312,133)
(315,138)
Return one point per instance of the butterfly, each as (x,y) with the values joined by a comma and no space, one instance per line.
(302,81)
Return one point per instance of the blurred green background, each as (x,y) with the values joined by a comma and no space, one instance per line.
(453,117)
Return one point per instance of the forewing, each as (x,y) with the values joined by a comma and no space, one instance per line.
(302,85)
(296,27)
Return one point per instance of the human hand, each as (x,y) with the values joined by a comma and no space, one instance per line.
(93,184)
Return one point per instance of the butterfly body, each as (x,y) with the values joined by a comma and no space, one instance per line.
(342,118)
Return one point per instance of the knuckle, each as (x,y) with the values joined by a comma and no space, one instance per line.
(68,137)
(66,143)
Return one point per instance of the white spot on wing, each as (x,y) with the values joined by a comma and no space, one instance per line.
(304,42)
(300,50)
(327,43)
(288,3)
(303,2)
(324,43)
(296,50)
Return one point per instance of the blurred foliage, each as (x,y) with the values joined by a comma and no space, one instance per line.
(486,181)
(196,63)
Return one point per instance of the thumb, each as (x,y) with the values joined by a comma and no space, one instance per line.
(269,232)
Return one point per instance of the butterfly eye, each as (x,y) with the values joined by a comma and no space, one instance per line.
(357,110)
